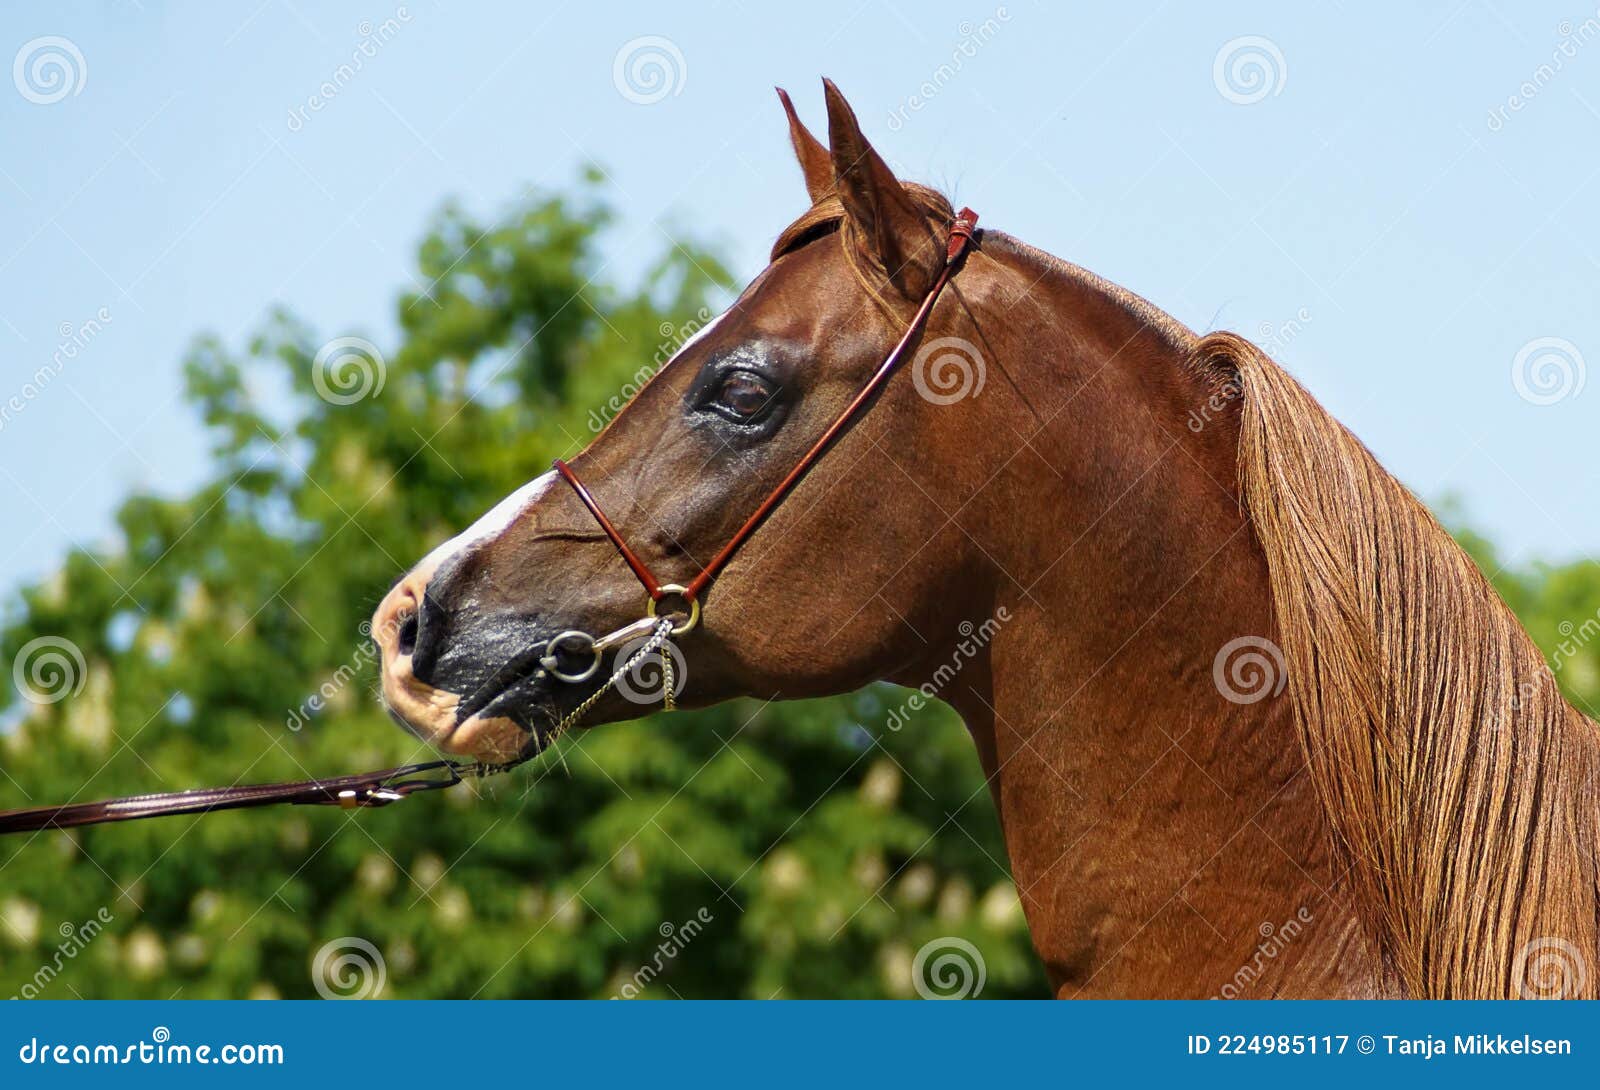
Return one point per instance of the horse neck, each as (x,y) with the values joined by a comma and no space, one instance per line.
(1164,838)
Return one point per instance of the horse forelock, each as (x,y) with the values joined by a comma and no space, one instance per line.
(1459,784)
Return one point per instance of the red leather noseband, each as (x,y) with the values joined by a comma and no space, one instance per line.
(956,247)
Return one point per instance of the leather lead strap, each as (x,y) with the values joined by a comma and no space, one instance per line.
(366,789)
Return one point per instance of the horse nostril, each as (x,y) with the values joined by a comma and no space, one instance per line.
(408,635)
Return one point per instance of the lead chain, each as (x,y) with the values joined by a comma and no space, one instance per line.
(658,637)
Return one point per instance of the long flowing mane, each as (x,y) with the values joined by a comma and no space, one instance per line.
(1460,786)
(1462,791)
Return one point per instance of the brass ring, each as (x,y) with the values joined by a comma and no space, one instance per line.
(682,592)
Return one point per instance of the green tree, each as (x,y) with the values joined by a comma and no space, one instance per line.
(748,850)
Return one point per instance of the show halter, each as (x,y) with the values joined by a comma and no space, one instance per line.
(380,788)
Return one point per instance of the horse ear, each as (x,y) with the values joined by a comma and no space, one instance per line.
(815,163)
(893,229)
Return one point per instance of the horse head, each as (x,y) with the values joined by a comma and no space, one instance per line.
(1222,670)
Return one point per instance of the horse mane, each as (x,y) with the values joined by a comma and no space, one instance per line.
(1460,786)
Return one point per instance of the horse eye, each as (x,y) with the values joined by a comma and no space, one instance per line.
(743,395)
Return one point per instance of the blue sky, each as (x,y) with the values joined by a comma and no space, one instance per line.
(1380,214)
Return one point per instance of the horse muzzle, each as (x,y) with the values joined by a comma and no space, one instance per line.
(476,696)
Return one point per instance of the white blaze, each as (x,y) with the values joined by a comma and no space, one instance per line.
(491,525)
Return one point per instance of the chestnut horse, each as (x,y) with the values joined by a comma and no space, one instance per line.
(1254,724)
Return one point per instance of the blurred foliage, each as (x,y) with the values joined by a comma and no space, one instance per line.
(797,849)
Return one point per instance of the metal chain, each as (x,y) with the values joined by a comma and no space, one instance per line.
(658,637)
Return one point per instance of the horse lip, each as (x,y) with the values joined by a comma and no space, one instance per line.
(515,671)
(516,743)
(518,702)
